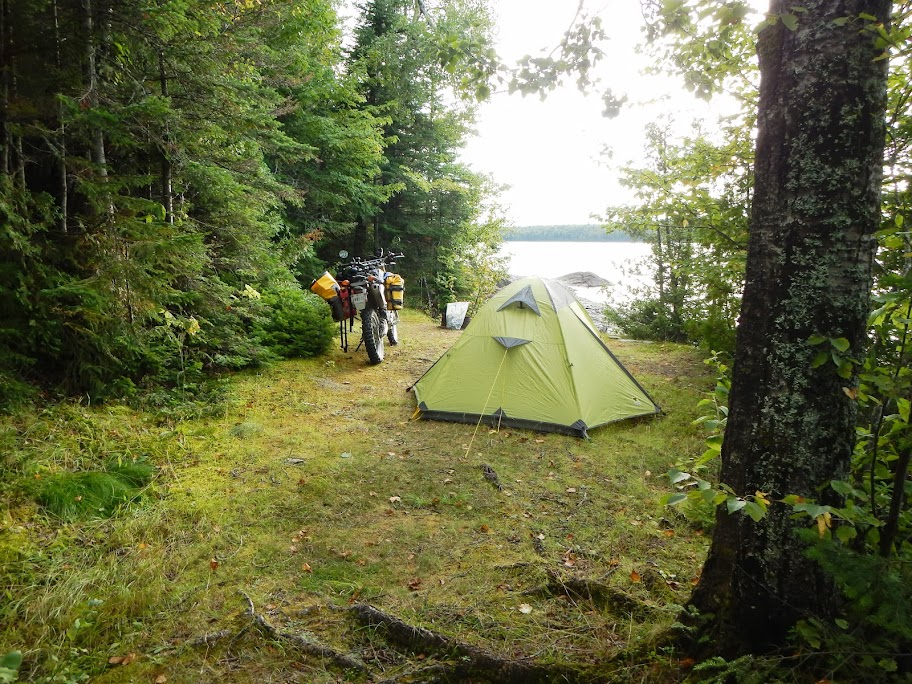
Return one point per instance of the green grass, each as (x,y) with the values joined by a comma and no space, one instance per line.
(314,487)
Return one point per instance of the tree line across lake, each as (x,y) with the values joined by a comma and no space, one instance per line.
(589,232)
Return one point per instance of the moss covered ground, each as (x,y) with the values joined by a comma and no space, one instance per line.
(311,490)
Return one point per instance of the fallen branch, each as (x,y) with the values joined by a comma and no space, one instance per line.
(471,660)
(209,639)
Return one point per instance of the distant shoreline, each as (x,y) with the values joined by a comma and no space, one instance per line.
(608,238)
(566,233)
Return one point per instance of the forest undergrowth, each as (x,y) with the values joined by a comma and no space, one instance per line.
(308,529)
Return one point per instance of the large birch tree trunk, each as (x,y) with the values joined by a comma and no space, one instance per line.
(791,427)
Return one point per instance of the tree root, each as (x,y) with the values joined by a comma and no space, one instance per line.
(599,594)
(304,644)
(468,660)
(448,659)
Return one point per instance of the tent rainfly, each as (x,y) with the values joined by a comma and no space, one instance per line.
(532,358)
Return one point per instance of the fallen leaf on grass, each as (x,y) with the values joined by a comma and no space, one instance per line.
(571,490)
(161,679)
(395,499)
(213,564)
(634,576)
(306,567)
(414,584)
(525,608)
(484,529)
(122,660)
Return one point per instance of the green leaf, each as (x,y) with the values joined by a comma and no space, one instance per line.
(903,406)
(898,220)
(816,339)
(845,370)
(846,533)
(12,660)
(675,476)
(754,510)
(887,664)
(841,21)
(790,21)
(672,499)
(841,343)
(734,504)
(840,487)
(820,359)
(868,17)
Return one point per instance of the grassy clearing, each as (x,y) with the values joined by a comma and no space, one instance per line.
(315,489)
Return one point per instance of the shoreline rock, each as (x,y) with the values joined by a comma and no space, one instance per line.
(583,279)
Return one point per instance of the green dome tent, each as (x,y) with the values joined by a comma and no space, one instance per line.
(532,358)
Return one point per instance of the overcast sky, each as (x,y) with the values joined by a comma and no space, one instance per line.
(550,152)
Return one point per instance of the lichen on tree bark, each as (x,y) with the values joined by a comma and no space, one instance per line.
(815,209)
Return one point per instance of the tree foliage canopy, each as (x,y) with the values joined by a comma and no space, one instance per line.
(160,163)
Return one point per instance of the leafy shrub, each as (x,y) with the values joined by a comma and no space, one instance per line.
(296,324)
(94,493)
(646,319)
(871,641)
(204,399)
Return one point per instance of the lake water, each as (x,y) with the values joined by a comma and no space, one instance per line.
(609,260)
